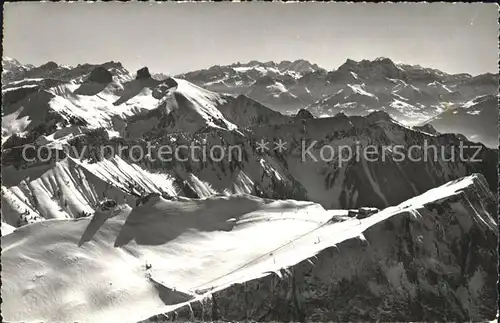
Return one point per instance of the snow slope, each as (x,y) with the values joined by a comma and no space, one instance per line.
(245,112)
(129,264)
(7,228)
(107,256)
(202,103)
(71,187)
(433,260)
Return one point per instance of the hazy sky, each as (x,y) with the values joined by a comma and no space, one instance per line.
(179,37)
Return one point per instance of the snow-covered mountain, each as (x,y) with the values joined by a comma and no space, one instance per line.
(433,251)
(477,119)
(347,178)
(109,106)
(107,97)
(236,78)
(100,233)
(106,105)
(245,112)
(334,181)
(266,82)
(13,70)
(409,93)
(164,256)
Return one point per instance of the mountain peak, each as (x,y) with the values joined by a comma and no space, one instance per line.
(10,63)
(100,75)
(350,62)
(380,67)
(304,114)
(10,60)
(384,60)
(49,65)
(112,64)
(378,116)
(365,63)
(143,73)
(285,64)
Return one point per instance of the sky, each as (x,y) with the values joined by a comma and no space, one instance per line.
(175,38)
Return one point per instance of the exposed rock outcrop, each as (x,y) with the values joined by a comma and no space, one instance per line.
(143,73)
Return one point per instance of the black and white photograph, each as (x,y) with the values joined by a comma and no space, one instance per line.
(249,162)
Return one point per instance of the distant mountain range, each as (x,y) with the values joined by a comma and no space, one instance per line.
(409,93)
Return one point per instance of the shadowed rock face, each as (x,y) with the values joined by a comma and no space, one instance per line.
(170,82)
(143,73)
(11,97)
(437,264)
(97,81)
(304,114)
(100,75)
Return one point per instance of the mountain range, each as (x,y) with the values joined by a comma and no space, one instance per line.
(411,94)
(107,105)
(162,224)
